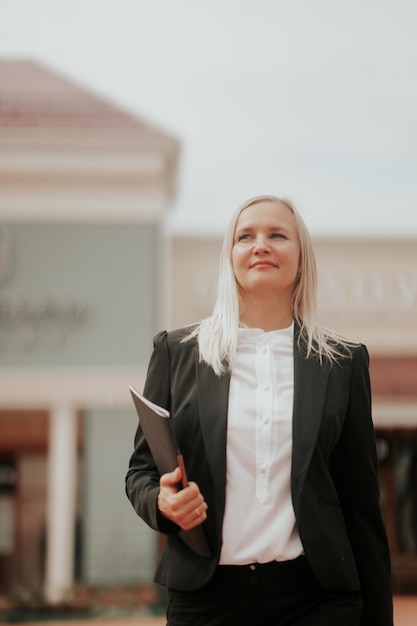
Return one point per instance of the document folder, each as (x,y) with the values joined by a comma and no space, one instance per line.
(156,426)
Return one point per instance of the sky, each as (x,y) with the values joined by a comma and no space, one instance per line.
(313,101)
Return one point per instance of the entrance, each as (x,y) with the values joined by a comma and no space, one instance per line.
(397,452)
(23,502)
(23,493)
(8,484)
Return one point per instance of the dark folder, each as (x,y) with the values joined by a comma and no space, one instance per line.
(156,426)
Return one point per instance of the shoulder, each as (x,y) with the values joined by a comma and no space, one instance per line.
(175,338)
(351,350)
(352,362)
(361,352)
(334,350)
(341,347)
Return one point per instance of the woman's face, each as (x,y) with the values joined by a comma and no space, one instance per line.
(266,250)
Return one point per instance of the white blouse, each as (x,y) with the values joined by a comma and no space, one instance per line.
(259,522)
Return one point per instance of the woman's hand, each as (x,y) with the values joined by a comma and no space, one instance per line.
(185,507)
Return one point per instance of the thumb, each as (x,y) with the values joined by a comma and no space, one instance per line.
(170,478)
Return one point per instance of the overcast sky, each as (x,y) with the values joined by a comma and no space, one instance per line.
(312,100)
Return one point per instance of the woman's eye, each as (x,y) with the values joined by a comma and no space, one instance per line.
(277,236)
(244,236)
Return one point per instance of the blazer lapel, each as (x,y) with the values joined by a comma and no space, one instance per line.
(213,398)
(310,385)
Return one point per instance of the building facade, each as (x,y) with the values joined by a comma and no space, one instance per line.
(84,187)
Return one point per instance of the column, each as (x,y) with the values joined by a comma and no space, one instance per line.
(62,473)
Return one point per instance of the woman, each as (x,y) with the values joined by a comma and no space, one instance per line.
(273,416)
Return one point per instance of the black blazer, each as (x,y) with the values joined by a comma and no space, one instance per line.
(333,477)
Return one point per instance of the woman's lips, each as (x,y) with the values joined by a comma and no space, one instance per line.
(263,264)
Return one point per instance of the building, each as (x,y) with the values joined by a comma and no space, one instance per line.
(367,292)
(84,187)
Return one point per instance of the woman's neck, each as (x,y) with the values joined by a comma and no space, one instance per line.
(264,315)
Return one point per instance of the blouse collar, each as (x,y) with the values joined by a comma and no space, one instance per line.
(257,335)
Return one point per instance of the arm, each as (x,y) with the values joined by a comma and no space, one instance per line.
(353,465)
(142,479)
(157,500)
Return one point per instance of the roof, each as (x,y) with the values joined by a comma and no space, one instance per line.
(34,96)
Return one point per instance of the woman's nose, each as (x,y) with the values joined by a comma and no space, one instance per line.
(261,244)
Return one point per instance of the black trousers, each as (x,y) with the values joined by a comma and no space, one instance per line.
(271,594)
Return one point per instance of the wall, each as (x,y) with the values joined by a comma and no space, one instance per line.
(119,548)
(79,295)
(367,288)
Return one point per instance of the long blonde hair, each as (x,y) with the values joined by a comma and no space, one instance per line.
(217,334)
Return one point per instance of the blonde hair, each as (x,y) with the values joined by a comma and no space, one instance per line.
(217,335)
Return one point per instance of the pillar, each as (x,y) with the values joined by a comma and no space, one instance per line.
(62,473)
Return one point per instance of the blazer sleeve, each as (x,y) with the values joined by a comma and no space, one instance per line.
(142,479)
(353,465)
